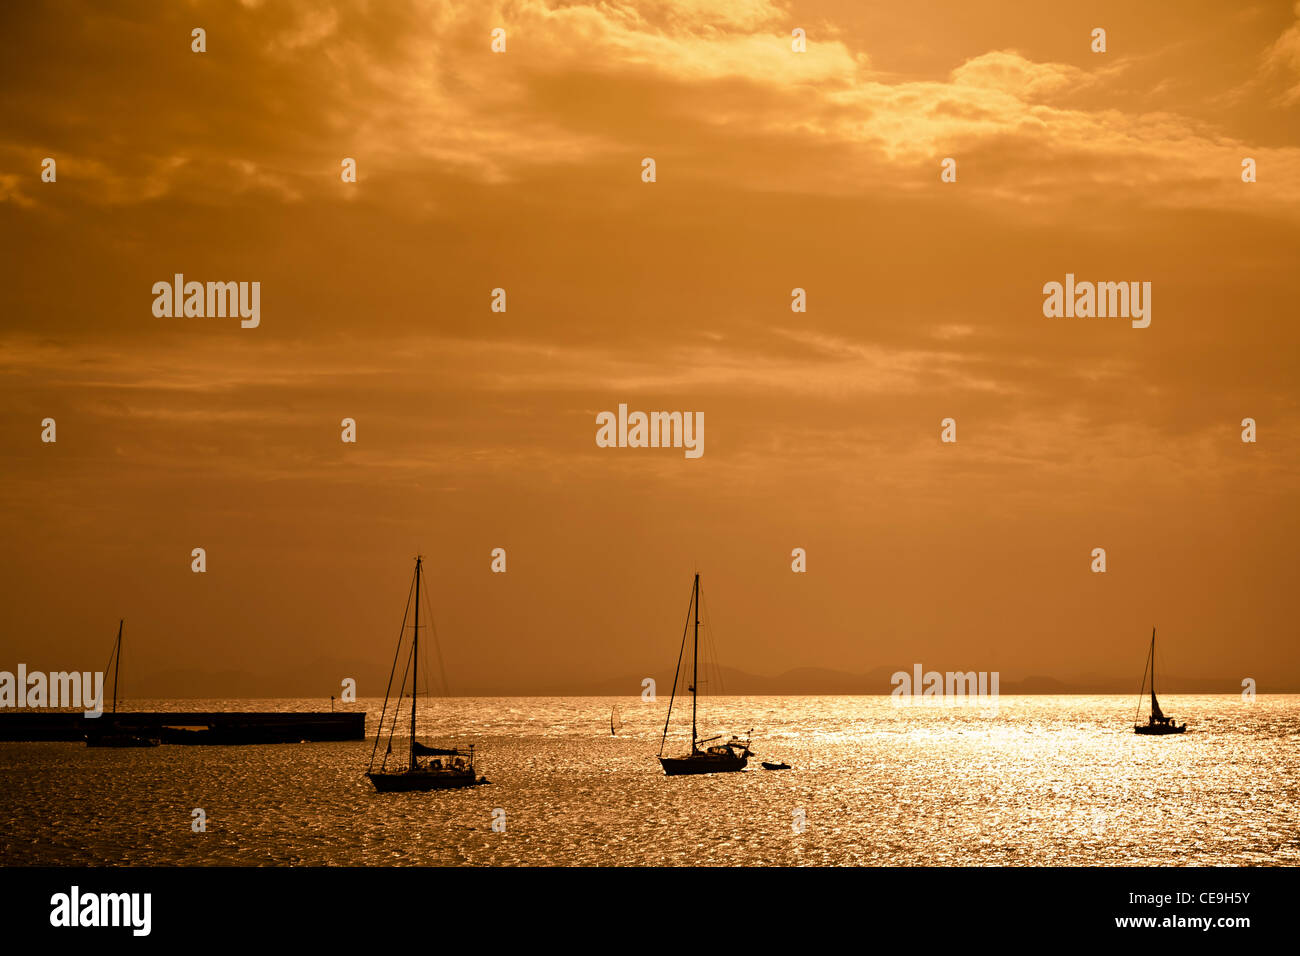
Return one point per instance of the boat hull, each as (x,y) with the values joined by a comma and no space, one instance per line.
(776,766)
(1158,730)
(701,763)
(420,781)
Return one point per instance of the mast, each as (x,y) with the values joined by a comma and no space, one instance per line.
(415,658)
(695,663)
(117,662)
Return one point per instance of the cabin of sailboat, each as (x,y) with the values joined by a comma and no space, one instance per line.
(425,768)
(710,754)
(1157,723)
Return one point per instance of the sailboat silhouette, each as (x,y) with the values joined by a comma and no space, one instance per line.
(1157,723)
(728,756)
(113,735)
(425,768)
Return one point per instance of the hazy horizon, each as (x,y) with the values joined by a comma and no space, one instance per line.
(797,682)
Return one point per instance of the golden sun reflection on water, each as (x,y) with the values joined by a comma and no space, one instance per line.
(1044,780)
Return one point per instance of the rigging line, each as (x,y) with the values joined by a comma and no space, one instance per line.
(712,665)
(437,646)
(405,670)
(1164,678)
(111,655)
(706,672)
(428,684)
(1142,689)
(713,648)
(424,661)
(393,670)
(397,708)
(677,672)
(397,712)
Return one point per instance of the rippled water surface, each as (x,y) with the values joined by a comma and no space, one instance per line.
(1045,780)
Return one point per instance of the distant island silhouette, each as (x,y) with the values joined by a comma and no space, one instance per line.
(810,681)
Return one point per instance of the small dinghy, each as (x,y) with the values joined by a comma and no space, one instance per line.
(775,766)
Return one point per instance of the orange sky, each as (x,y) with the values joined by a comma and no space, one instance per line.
(476,429)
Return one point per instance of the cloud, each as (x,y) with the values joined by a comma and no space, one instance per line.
(12,189)
(586,84)
(1283,58)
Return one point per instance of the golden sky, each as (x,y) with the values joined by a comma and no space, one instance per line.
(476,429)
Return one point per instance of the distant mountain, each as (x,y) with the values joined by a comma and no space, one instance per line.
(1100,685)
(319,681)
(800,681)
(813,681)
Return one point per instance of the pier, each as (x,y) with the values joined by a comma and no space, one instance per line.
(192,728)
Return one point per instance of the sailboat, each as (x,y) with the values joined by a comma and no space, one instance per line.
(1157,723)
(426,768)
(707,755)
(112,736)
(615,721)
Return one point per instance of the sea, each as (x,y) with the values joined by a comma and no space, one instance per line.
(1033,781)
